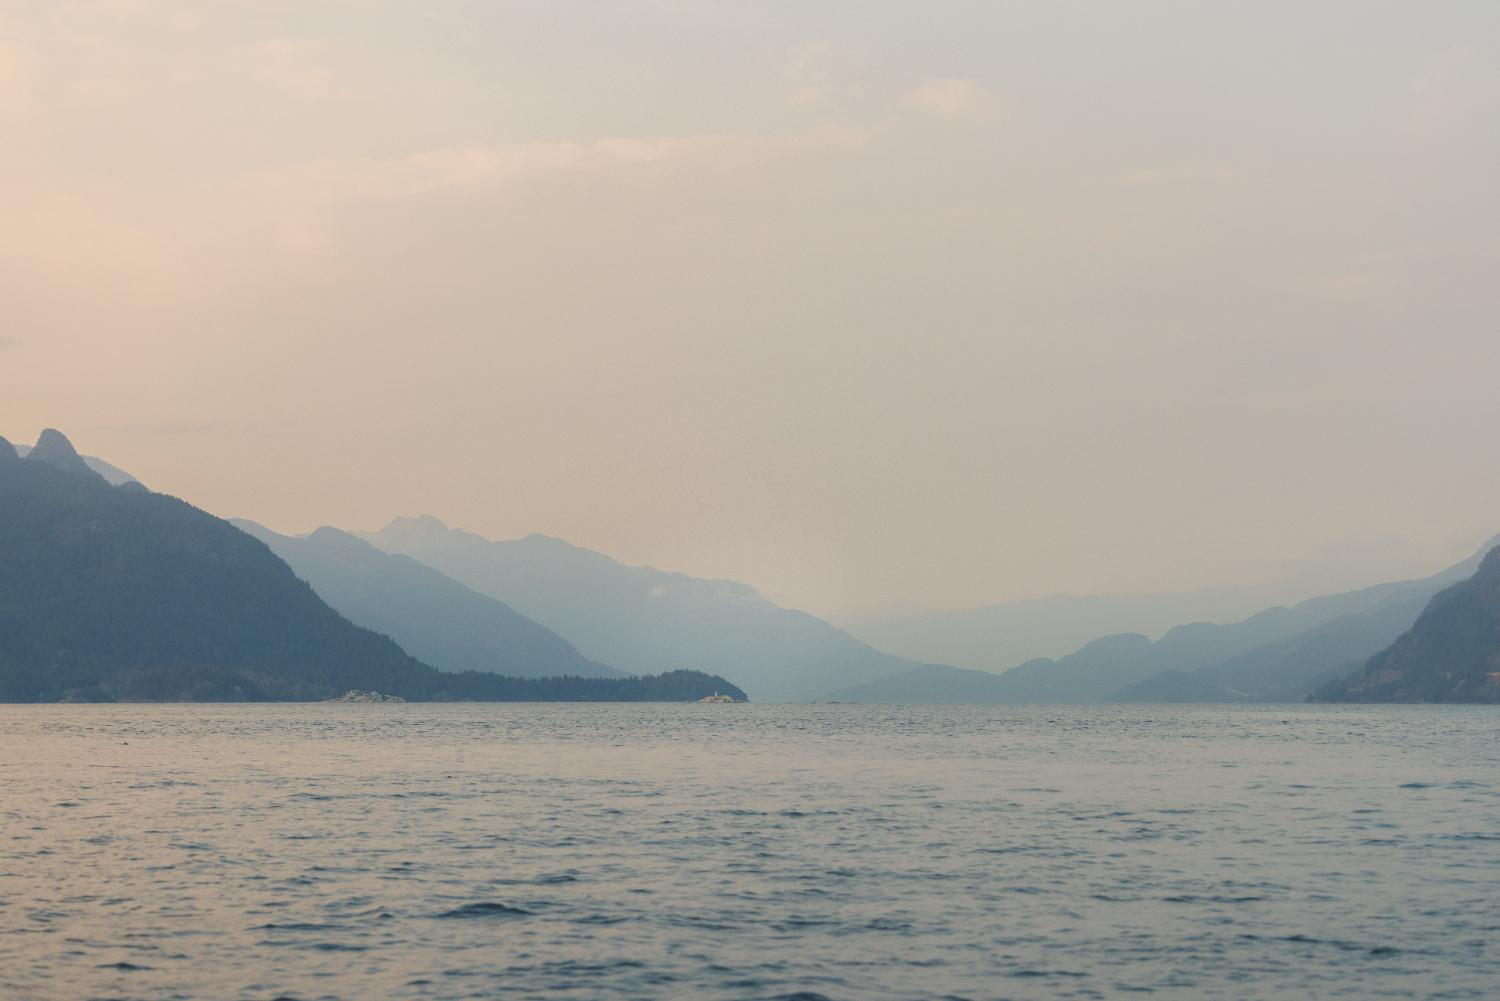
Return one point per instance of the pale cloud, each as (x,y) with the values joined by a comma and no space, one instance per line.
(949,97)
(1453,101)
(458,167)
(300,68)
(811,75)
(15,77)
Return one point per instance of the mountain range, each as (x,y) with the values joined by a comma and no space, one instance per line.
(998,637)
(641,619)
(110,591)
(1279,654)
(431,616)
(115,592)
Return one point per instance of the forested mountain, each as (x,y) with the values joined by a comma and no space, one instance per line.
(431,616)
(1451,653)
(638,618)
(117,593)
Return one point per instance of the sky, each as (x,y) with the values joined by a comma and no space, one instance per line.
(871,305)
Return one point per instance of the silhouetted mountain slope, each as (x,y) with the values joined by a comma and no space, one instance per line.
(118,593)
(1451,653)
(431,616)
(639,619)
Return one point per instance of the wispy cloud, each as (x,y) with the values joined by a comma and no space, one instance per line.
(300,69)
(9,342)
(433,170)
(949,97)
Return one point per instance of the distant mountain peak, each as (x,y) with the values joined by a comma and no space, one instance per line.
(338,540)
(54,448)
(425,523)
(8,452)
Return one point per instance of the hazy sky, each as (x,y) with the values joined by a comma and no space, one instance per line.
(866,304)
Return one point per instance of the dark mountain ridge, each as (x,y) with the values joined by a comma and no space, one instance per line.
(1450,654)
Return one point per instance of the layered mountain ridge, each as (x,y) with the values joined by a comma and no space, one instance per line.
(431,616)
(1278,655)
(640,618)
(117,593)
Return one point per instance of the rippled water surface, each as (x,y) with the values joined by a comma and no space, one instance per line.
(597,851)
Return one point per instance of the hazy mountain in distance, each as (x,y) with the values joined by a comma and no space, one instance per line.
(1451,653)
(114,475)
(110,593)
(1278,653)
(997,637)
(432,617)
(1287,670)
(1098,669)
(641,619)
(1282,653)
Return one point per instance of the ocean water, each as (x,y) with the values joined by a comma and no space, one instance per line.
(739,852)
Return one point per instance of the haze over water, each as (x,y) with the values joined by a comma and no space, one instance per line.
(614,851)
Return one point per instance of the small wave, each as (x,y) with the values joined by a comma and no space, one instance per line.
(887,924)
(486,909)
